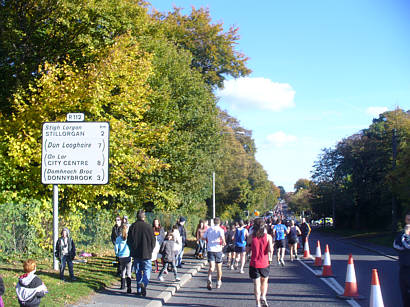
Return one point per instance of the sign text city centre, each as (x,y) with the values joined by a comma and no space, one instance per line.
(75,153)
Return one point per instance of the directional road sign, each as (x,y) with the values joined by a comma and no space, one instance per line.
(75,153)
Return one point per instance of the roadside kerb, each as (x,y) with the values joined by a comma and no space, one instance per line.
(360,245)
(369,248)
(165,295)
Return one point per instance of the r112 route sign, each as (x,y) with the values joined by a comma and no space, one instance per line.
(75,153)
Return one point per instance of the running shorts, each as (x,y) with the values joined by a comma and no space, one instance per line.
(280,243)
(292,240)
(215,256)
(258,272)
(240,249)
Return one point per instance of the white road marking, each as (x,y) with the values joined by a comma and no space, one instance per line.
(332,283)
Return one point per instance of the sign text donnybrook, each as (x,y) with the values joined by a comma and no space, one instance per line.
(75,153)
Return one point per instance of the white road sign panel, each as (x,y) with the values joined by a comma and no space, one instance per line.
(75,153)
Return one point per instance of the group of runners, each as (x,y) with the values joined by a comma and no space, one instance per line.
(255,241)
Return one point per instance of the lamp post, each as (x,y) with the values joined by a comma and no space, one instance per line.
(213,195)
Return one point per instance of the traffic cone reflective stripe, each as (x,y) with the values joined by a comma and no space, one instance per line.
(350,283)
(327,267)
(318,257)
(306,252)
(376,299)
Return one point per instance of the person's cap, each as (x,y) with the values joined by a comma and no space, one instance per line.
(182,219)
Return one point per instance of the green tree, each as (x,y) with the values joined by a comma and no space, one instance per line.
(115,90)
(35,31)
(213,50)
(302,184)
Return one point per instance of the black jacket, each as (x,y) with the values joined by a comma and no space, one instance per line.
(182,232)
(141,240)
(2,289)
(167,251)
(305,229)
(404,253)
(71,247)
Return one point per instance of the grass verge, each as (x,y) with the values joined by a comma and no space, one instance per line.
(96,274)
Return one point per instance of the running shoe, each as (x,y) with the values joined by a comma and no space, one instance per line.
(241,271)
(264,303)
(296,256)
(283,262)
(161,278)
(231,267)
(209,285)
(218,284)
(177,279)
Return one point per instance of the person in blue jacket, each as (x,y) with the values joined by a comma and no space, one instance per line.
(122,251)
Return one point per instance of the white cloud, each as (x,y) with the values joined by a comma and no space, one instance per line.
(260,93)
(376,111)
(280,138)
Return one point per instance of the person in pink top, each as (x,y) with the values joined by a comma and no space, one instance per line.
(261,246)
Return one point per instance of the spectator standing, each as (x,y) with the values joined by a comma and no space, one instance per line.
(122,251)
(2,289)
(141,242)
(260,244)
(200,251)
(65,252)
(115,232)
(182,232)
(402,245)
(167,251)
(125,221)
(159,237)
(30,289)
(215,238)
(305,229)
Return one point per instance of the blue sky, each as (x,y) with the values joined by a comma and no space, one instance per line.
(322,70)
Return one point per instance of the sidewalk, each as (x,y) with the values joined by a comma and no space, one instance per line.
(157,292)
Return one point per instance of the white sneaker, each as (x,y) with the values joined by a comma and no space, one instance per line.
(231,267)
(218,284)
(161,278)
(241,271)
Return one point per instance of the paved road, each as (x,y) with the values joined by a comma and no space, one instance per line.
(364,261)
(292,285)
(296,284)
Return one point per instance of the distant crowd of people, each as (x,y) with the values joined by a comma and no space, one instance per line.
(141,246)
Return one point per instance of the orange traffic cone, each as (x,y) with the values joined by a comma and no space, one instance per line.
(318,257)
(350,283)
(376,299)
(327,267)
(306,252)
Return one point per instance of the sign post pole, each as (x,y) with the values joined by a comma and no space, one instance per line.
(55,224)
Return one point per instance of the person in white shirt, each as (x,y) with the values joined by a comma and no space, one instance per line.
(215,237)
